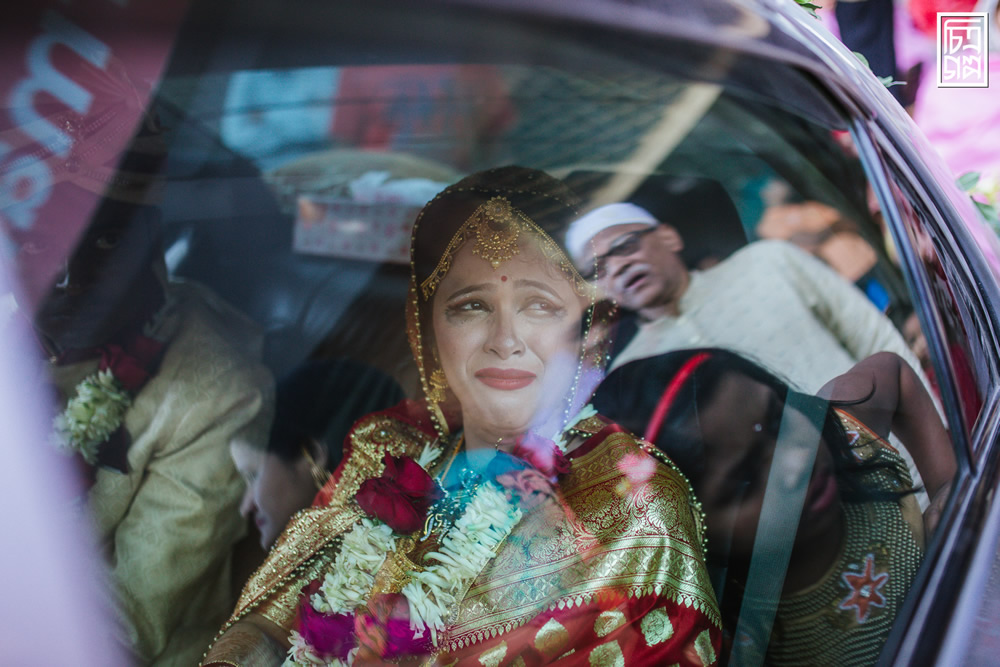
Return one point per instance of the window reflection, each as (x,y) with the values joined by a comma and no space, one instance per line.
(806,503)
(953,313)
(713,222)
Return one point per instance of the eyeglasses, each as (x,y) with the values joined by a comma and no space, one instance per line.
(627,244)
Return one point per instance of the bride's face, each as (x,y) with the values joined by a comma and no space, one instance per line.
(508,340)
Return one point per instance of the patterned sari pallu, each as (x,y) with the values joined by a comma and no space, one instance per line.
(606,568)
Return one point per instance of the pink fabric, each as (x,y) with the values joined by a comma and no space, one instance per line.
(51,611)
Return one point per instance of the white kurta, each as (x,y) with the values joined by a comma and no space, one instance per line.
(779,306)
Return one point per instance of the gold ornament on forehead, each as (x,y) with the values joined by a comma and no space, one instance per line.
(496,227)
(496,232)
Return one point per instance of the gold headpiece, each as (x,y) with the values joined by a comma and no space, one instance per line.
(496,232)
(497,226)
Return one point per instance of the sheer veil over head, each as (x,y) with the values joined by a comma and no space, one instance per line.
(494,210)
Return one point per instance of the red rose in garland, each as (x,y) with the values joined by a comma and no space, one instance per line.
(133,363)
(401,497)
(92,424)
(541,453)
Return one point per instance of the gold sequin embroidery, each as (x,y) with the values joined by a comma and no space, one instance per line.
(656,627)
(551,638)
(608,622)
(607,655)
(703,646)
(494,656)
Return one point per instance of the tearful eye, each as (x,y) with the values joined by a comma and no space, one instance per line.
(468,306)
(544,307)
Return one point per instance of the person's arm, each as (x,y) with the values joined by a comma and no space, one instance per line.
(899,403)
(172,548)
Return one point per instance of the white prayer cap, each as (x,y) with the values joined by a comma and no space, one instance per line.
(589,225)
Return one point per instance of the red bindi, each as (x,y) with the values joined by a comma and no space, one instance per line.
(503,278)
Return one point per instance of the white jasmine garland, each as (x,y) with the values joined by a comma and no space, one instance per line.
(301,654)
(464,551)
(91,416)
(352,575)
(429,455)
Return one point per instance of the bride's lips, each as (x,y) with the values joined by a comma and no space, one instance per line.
(505,378)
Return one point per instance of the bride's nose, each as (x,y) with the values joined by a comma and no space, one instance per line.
(503,339)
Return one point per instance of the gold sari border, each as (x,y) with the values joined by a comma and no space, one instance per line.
(313,531)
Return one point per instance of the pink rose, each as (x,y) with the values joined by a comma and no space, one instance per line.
(329,635)
(543,454)
(384,631)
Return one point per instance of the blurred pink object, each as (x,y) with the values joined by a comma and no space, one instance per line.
(924,12)
(963,124)
(54,609)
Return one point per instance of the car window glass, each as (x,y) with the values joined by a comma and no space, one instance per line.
(966,341)
(747,259)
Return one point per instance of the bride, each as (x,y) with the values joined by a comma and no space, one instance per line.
(499,521)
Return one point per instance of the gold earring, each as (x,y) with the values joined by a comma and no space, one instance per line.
(439,384)
(319,475)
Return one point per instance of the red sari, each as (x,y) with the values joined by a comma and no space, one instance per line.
(609,571)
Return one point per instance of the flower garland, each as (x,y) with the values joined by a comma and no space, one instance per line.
(362,553)
(336,609)
(92,416)
(464,552)
(430,593)
(96,412)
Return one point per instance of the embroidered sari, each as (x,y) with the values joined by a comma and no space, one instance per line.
(614,576)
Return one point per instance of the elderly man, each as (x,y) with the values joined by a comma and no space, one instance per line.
(769,300)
